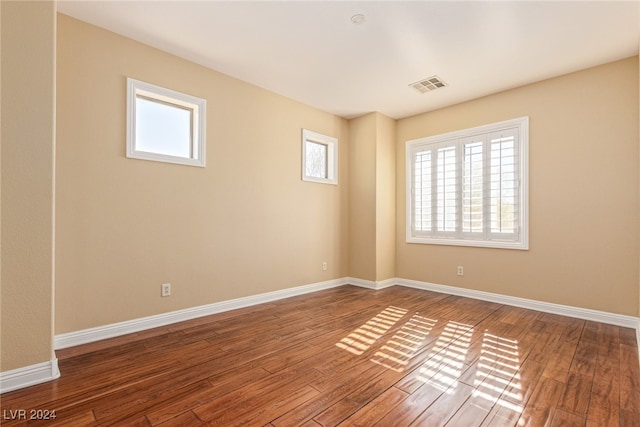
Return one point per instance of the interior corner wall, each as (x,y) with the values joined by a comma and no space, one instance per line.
(27,169)
(372,197)
(385,185)
(362,197)
(584,193)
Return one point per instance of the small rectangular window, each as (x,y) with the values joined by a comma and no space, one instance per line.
(165,125)
(319,158)
(316,164)
(470,187)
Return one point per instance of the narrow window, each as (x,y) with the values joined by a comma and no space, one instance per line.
(165,125)
(319,158)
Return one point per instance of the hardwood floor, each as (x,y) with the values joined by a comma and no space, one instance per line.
(351,357)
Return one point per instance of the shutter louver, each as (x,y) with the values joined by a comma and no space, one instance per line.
(504,185)
(422,191)
(446,190)
(473,188)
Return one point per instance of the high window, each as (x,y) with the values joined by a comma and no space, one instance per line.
(470,187)
(165,125)
(319,157)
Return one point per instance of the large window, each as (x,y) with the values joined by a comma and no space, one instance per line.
(470,188)
(164,125)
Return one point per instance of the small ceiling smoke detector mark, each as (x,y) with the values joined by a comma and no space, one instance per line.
(358,19)
(428,84)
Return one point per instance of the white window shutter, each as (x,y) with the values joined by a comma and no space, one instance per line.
(470,187)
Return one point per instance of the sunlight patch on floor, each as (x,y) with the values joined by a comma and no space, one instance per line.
(400,348)
(446,360)
(497,371)
(360,340)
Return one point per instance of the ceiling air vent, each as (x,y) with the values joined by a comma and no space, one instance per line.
(428,84)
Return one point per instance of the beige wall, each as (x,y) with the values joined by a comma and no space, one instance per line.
(584,193)
(385,198)
(372,197)
(27,135)
(362,197)
(246,224)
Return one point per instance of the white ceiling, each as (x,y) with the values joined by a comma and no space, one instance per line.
(310,51)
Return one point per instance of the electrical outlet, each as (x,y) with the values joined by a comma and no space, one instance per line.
(166,289)
(460,270)
(324,266)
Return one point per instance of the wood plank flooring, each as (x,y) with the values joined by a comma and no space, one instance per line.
(351,357)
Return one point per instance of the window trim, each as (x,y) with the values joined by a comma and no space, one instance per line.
(522,243)
(332,156)
(196,105)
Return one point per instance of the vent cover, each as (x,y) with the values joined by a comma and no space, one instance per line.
(428,84)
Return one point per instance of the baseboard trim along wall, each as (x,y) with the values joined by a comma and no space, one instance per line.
(369,284)
(547,307)
(136,325)
(116,329)
(29,375)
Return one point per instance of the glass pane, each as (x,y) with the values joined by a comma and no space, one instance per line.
(472,195)
(316,159)
(446,189)
(504,189)
(163,128)
(422,196)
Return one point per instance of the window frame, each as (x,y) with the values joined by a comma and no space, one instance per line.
(486,238)
(197,107)
(331,158)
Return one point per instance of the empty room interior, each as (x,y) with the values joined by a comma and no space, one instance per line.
(320,213)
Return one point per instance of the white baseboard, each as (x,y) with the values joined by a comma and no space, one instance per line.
(29,375)
(369,284)
(116,329)
(122,328)
(547,307)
